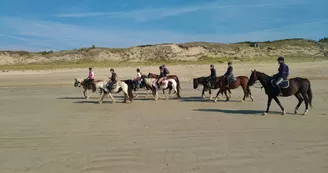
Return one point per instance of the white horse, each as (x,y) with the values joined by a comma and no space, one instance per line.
(118,87)
(78,82)
(170,84)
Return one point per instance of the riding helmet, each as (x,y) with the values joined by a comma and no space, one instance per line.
(161,67)
(281,58)
(138,70)
(90,68)
(229,63)
(212,65)
(111,69)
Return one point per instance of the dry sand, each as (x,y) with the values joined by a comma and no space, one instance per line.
(51,129)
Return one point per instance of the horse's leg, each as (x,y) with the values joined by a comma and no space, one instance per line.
(230,95)
(210,92)
(203,93)
(85,93)
(225,93)
(217,95)
(163,91)
(102,98)
(300,101)
(306,100)
(268,105)
(279,104)
(245,93)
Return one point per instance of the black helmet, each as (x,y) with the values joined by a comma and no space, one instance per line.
(138,70)
(281,58)
(229,63)
(111,69)
(211,65)
(90,68)
(161,67)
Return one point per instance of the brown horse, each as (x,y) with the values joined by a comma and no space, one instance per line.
(240,81)
(299,87)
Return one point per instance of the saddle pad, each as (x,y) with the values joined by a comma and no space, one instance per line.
(283,84)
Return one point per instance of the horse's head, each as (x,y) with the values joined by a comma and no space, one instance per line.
(77,82)
(195,81)
(253,78)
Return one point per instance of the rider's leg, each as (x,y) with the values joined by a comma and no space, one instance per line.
(278,81)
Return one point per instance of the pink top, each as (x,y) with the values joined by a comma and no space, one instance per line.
(91,75)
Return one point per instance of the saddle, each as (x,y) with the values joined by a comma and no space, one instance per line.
(283,84)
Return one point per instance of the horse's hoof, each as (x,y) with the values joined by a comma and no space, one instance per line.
(242,100)
(215,100)
(113,102)
(100,102)
(264,113)
(283,113)
(306,112)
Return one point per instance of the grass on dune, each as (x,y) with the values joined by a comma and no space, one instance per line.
(85,63)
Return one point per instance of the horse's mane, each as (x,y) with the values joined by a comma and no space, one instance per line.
(79,79)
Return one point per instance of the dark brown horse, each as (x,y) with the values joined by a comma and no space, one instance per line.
(300,87)
(203,81)
(240,81)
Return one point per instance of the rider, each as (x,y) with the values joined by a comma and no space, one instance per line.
(228,74)
(90,78)
(162,75)
(113,79)
(165,69)
(139,74)
(212,76)
(282,74)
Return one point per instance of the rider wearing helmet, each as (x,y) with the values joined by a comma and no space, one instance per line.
(162,75)
(228,74)
(139,74)
(90,79)
(283,73)
(212,76)
(113,80)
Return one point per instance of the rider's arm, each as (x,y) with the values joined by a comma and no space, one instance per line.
(229,70)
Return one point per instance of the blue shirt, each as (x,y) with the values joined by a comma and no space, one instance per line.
(213,73)
(283,71)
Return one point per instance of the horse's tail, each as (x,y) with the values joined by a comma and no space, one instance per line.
(309,93)
(178,87)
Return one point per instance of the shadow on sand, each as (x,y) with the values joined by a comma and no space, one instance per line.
(199,99)
(243,112)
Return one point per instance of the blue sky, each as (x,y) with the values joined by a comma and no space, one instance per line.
(36,25)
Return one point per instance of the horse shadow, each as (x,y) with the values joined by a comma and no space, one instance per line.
(200,99)
(243,112)
(70,98)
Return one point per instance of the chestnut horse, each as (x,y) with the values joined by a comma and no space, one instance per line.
(240,81)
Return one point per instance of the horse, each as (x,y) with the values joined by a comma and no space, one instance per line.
(299,87)
(78,82)
(175,77)
(203,81)
(141,86)
(170,84)
(119,86)
(236,83)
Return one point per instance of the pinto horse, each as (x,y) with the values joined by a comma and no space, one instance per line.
(299,87)
(175,77)
(240,81)
(119,86)
(78,82)
(170,84)
(203,81)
